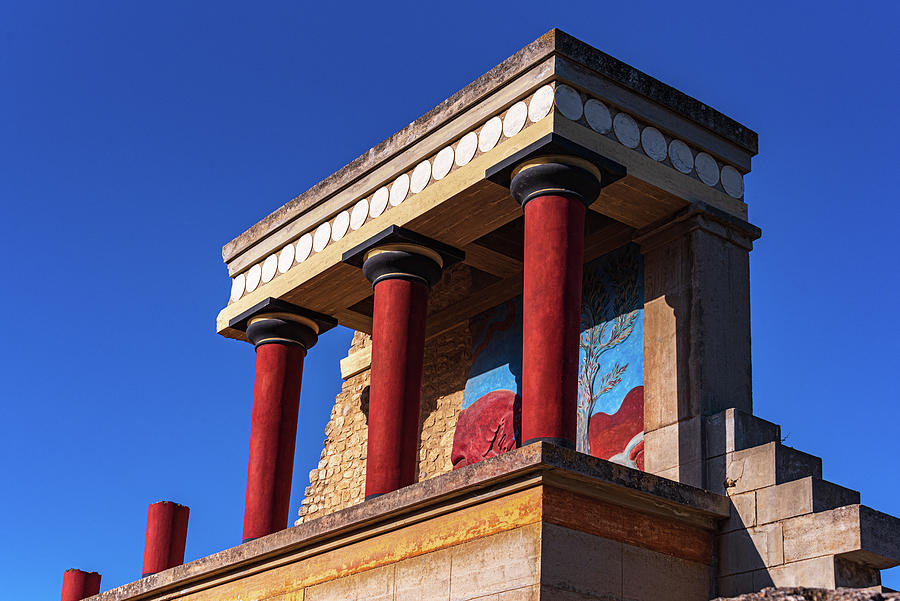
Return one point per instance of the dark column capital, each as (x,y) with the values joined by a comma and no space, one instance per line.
(398,253)
(555,166)
(276,321)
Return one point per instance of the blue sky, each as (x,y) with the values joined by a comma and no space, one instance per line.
(137,138)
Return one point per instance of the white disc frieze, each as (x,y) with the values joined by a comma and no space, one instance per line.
(732,181)
(568,101)
(321,237)
(540,104)
(490,134)
(627,130)
(253,276)
(421,175)
(442,163)
(399,189)
(358,214)
(340,225)
(237,287)
(514,120)
(465,150)
(707,169)
(681,156)
(286,258)
(270,266)
(597,116)
(304,247)
(653,143)
(379,202)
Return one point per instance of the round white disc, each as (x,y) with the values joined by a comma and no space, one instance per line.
(681,156)
(568,101)
(627,130)
(286,258)
(399,189)
(270,266)
(514,120)
(253,276)
(304,247)
(320,238)
(732,181)
(442,163)
(540,104)
(707,169)
(653,143)
(359,214)
(237,287)
(421,175)
(597,116)
(465,150)
(490,134)
(379,202)
(340,225)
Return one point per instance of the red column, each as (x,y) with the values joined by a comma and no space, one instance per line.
(398,348)
(164,543)
(78,585)
(273,433)
(551,299)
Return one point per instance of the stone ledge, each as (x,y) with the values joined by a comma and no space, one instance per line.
(816,594)
(517,470)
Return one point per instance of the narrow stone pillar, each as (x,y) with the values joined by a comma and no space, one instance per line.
(696,335)
(554,192)
(281,333)
(166,537)
(402,267)
(78,585)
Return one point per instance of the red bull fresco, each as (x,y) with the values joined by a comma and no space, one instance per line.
(610,376)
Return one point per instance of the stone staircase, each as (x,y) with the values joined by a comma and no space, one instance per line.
(788,527)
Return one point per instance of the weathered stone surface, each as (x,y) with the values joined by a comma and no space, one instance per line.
(577,562)
(652,576)
(767,465)
(496,564)
(735,430)
(814,594)
(807,495)
(751,549)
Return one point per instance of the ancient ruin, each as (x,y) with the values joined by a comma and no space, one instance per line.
(548,395)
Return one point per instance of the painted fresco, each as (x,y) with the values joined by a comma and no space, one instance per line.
(610,375)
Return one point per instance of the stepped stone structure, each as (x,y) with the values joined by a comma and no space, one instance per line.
(548,395)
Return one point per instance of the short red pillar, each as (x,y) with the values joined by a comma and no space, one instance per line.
(164,543)
(554,193)
(78,585)
(402,266)
(281,333)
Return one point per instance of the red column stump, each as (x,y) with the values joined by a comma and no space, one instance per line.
(166,537)
(78,585)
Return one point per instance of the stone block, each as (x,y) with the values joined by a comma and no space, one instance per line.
(854,532)
(734,430)
(495,564)
(743,512)
(371,585)
(651,576)
(423,578)
(807,495)
(672,445)
(767,465)
(752,549)
(734,585)
(819,572)
(581,563)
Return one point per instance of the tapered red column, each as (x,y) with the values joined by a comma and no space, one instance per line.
(402,266)
(78,585)
(166,537)
(281,334)
(554,193)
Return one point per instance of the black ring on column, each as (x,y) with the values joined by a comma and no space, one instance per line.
(403,265)
(268,330)
(557,179)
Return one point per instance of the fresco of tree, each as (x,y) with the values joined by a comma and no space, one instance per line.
(612,303)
